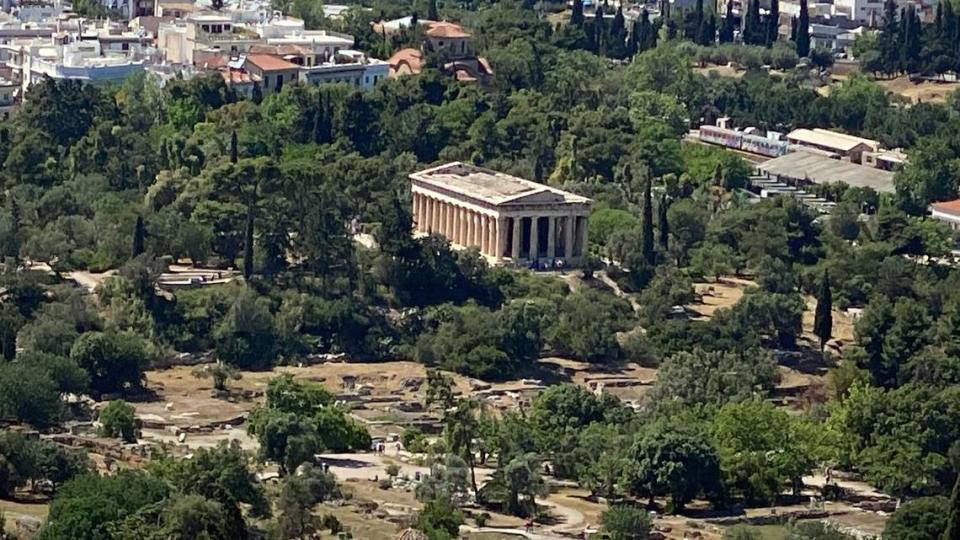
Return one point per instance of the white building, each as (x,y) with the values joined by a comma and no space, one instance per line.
(92,53)
(870,12)
(200,35)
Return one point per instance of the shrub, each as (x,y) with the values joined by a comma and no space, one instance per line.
(117,420)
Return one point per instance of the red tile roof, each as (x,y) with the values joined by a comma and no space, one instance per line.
(948,207)
(411,57)
(268,62)
(446,30)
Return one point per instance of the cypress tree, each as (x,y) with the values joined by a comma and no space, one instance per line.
(248,244)
(698,22)
(618,34)
(646,226)
(726,31)
(953,519)
(708,31)
(793,29)
(823,316)
(256,95)
(753,33)
(773,23)
(633,44)
(889,38)
(663,225)
(139,237)
(647,38)
(911,39)
(432,12)
(234,150)
(576,13)
(803,31)
(16,219)
(599,32)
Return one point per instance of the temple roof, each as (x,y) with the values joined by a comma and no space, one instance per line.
(493,187)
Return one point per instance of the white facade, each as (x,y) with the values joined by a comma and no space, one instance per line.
(363,74)
(947,212)
(9,92)
(92,54)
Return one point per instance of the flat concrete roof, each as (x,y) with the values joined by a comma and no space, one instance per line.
(819,169)
(493,187)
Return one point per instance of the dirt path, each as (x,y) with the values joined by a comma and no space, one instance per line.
(609,282)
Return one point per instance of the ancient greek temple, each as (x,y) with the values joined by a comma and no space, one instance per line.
(511,220)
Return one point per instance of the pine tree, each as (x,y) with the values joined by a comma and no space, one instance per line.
(139,237)
(727,29)
(803,31)
(576,13)
(646,226)
(773,23)
(823,316)
(953,519)
(234,150)
(663,225)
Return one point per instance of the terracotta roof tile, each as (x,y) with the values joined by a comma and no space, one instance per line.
(947,207)
(446,30)
(268,62)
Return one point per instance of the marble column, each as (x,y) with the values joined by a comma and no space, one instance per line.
(478,234)
(485,241)
(434,216)
(455,223)
(582,231)
(517,238)
(471,228)
(427,215)
(421,211)
(568,237)
(448,220)
(501,238)
(534,237)
(551,238)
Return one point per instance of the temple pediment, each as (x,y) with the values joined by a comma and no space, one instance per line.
(540,197)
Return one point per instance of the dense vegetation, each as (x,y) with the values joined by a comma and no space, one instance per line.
(143,175)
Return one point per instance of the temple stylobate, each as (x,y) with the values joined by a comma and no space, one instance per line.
(511,220)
